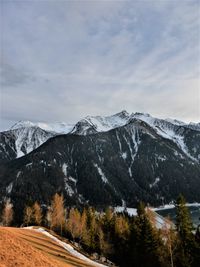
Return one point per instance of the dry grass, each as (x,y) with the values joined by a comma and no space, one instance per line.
(22,247)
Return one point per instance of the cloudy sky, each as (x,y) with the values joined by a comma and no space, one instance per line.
(63,60)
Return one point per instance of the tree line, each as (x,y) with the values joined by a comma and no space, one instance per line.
(127,241)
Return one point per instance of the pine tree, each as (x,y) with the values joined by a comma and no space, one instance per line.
(148,242)
(121,239)
(108,220)
(7,215)
(187,247)
(197,235)
(183,221)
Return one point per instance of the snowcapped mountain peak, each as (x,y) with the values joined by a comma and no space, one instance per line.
(93,124)
(57,127)
(27,136)
(22,124)
(23,138)
(122,114)
(143,117)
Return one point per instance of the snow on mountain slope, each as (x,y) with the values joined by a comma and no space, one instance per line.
(23,124)
(21,141)
(124,165)
(107,123)
(25,136)
(57,127)
(93,124)
(175,122)
(170,129)
(29,138)
(29,135)
(194,126)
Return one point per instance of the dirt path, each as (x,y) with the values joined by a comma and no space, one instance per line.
(28,248)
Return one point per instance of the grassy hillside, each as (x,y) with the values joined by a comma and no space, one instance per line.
(22,247)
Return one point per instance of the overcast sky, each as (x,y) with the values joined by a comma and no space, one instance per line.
(63,60)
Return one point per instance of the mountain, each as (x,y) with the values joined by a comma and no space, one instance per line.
(145,159)
(95,124)
(170,129)
(25,136)
(176,131)
(194,126)
(57,127)
(18,142)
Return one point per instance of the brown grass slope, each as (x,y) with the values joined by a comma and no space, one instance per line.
(22,247)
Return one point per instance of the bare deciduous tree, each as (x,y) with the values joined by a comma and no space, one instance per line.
(28,215)
(57,213)
(37,211)
(7,215)
(74,223)
(170,239)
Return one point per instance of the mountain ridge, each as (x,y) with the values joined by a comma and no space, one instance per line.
(88,125)
(123,165)
(138,158)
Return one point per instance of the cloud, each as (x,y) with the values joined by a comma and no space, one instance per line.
(11,76)
(66,59)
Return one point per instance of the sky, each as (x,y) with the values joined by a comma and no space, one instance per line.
(63,60)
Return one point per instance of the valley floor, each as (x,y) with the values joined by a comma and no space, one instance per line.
(28,248)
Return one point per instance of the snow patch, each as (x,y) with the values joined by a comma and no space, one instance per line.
(120,145)
(157,180)
(130,211)
(171,206)
(18,174)
(72,179)
(9,188)
(67,247)
(103,177)
(136,142)
(29,164)
(28,137)
(68,188)
(124,155)
(162,158)
(64,168)
(123,203)
(160,221)
(57,127)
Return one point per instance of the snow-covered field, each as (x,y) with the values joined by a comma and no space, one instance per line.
(171,206)
(133,211)
(130,211)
